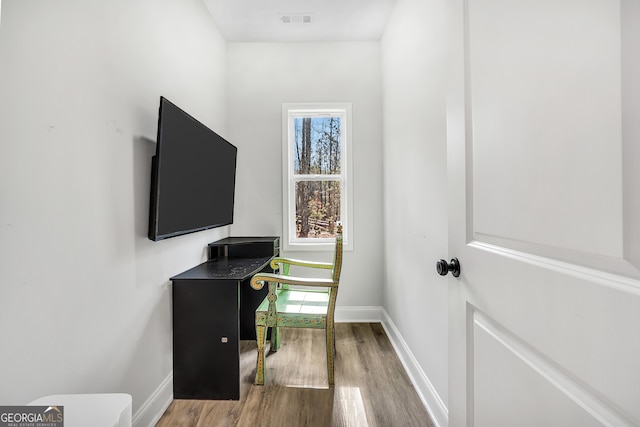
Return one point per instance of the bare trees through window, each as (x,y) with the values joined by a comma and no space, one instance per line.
(317,171)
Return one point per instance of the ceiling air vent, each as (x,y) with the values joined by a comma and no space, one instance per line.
(297,18)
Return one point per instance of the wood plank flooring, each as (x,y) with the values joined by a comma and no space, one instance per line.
(372,388)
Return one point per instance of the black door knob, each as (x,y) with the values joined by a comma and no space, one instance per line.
(443,267)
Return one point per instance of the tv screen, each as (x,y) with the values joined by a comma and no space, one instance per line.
(192,176)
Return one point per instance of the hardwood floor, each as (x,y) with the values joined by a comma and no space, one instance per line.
(372,388)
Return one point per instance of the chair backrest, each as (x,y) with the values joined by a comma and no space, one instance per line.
(337,256)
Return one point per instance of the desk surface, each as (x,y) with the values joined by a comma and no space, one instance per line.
(225,269)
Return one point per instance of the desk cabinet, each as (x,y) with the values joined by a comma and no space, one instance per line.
(213,309)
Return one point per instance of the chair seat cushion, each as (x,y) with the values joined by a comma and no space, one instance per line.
(296,308)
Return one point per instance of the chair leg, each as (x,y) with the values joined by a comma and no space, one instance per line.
(331,352)
(275,339)
(261,335)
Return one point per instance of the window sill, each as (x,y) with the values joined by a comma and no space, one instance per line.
(312,246)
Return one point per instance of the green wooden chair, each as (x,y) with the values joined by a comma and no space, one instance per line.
(310,305)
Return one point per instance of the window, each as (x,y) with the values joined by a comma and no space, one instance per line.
(317,190)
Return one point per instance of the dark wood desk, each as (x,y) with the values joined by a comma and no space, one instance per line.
(213,309)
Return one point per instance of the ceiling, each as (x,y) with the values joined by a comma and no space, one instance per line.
(300,20)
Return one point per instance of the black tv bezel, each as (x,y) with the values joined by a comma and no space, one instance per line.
(155,189)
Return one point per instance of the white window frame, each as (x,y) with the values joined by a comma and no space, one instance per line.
(289,240)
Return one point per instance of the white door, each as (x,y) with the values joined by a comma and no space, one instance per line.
(544,187)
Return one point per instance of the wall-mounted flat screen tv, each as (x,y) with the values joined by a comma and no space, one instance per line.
(193,176)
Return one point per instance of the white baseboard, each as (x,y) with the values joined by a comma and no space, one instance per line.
(151,411)
(358,314)
(428,394)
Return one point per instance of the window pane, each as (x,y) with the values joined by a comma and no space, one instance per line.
(317,208)
(317,145)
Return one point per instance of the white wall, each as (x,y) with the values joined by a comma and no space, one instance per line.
(84,295)
(415,184)
(262,76)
